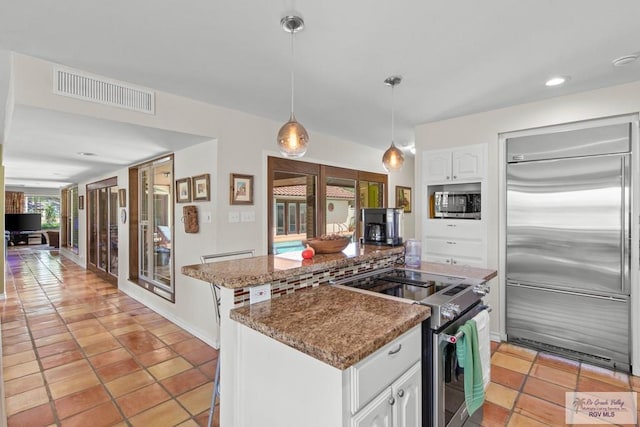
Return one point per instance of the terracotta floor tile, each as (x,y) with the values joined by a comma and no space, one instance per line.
(169,368)
(618,379)
(198,399)
(18,358)
(511,362)
(587,384)
(49,331)
(187,346)
(73,384)
(84,324)
(27,400)
(555,376)
(507,377)
(558,362)
(500,395)
(545,390)
(129,383)
(102,346)
(127,329)
(184,381)
(61,359)
(156,356)
(518,420)
(57,348)
(492,415)
(140,342)
(88,340)
(88,331)
(62,372)
(16,339)
(39,416)
(175,337)
(166,414)
(209,369)
(165,329)
(20,370)
(116,370)
(16,348)
(521,352)
(81,401)
(540,410)
(635,383)
(109,357)
(189,423)
(201,355)
(22,384)
(142,399)
(103,415)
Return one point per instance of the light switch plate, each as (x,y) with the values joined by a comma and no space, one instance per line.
(234,216)
(259,293)
(248,216)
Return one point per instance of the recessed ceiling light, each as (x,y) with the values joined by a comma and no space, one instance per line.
(625,60)
(556,81)
(84,153)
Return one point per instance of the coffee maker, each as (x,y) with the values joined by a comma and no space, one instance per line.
(382,226)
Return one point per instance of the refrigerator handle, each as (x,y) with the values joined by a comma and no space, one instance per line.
(624,227)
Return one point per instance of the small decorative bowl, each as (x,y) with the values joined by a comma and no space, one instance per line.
(328,246)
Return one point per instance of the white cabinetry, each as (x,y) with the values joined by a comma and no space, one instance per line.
(457,165)
(398,405)
(450,240)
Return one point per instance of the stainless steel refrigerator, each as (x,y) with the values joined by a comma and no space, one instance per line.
(568,237)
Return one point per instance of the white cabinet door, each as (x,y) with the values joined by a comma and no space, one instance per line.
(407,392)
(467,163)
(437,166)
(377,413)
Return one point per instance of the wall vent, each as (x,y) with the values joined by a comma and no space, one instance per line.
(88,87)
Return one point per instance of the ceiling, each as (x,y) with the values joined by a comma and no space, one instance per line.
(456,57)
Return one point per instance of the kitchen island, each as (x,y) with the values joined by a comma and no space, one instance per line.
(322,323)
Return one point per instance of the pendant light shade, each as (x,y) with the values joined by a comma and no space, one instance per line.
(292,137)
(393,158)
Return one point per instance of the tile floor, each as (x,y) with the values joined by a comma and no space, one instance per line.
(77,352)
(528,387)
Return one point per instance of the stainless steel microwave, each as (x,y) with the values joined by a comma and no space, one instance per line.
(453,204)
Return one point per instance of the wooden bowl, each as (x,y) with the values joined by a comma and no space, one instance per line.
(328,246)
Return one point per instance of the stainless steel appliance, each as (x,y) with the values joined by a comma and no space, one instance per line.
(382,226)
(453,301)
(453,204)
(568,237)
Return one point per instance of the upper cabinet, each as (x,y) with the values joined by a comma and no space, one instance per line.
(456,165)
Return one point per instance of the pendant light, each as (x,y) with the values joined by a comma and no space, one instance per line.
(292,137)
(393,159)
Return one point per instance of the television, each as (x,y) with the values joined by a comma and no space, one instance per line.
(22,222)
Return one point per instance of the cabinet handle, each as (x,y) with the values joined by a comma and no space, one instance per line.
(454,176)
(451,225)
(448,177)
(392,401)
(395,351)
(449,242)
(455,262)
(448,261)
(400,393)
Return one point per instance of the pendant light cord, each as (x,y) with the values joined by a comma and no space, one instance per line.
(292,85)
(392,115)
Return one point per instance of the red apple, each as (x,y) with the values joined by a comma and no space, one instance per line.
(308,252)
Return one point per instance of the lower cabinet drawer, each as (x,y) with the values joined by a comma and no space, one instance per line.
(454,247)
(380,369)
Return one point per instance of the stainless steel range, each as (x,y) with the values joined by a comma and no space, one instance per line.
(453,301)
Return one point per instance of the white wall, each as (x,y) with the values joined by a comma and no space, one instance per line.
(485,127)
(240,144)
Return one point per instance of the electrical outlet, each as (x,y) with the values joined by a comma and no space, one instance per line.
(259,293)
(234,216)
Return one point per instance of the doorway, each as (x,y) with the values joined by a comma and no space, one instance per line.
(102,224)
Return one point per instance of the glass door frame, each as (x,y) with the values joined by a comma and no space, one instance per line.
(93,239)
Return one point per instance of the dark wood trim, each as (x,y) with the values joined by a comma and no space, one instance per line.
(133,219)
(109,182)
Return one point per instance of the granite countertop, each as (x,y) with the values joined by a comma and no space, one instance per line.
(254,271)
(337,326)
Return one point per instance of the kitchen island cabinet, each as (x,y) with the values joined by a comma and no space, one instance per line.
(288,276)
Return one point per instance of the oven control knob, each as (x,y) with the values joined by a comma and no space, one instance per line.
(450,311)
(481,289)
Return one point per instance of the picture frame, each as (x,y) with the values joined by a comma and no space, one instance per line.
(122,198)
(201,187)
(183,190)
(403,198)
(81,202)
(241,189)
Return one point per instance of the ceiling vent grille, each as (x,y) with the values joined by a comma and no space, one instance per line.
(87,87)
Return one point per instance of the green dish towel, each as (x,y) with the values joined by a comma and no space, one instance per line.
(469,359)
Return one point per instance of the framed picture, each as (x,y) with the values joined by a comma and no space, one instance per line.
(81,202)
(183,190)
(122,197)
(241,192)
(201,190)
(403,198)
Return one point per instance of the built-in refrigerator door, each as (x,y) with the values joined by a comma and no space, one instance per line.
(568,224)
